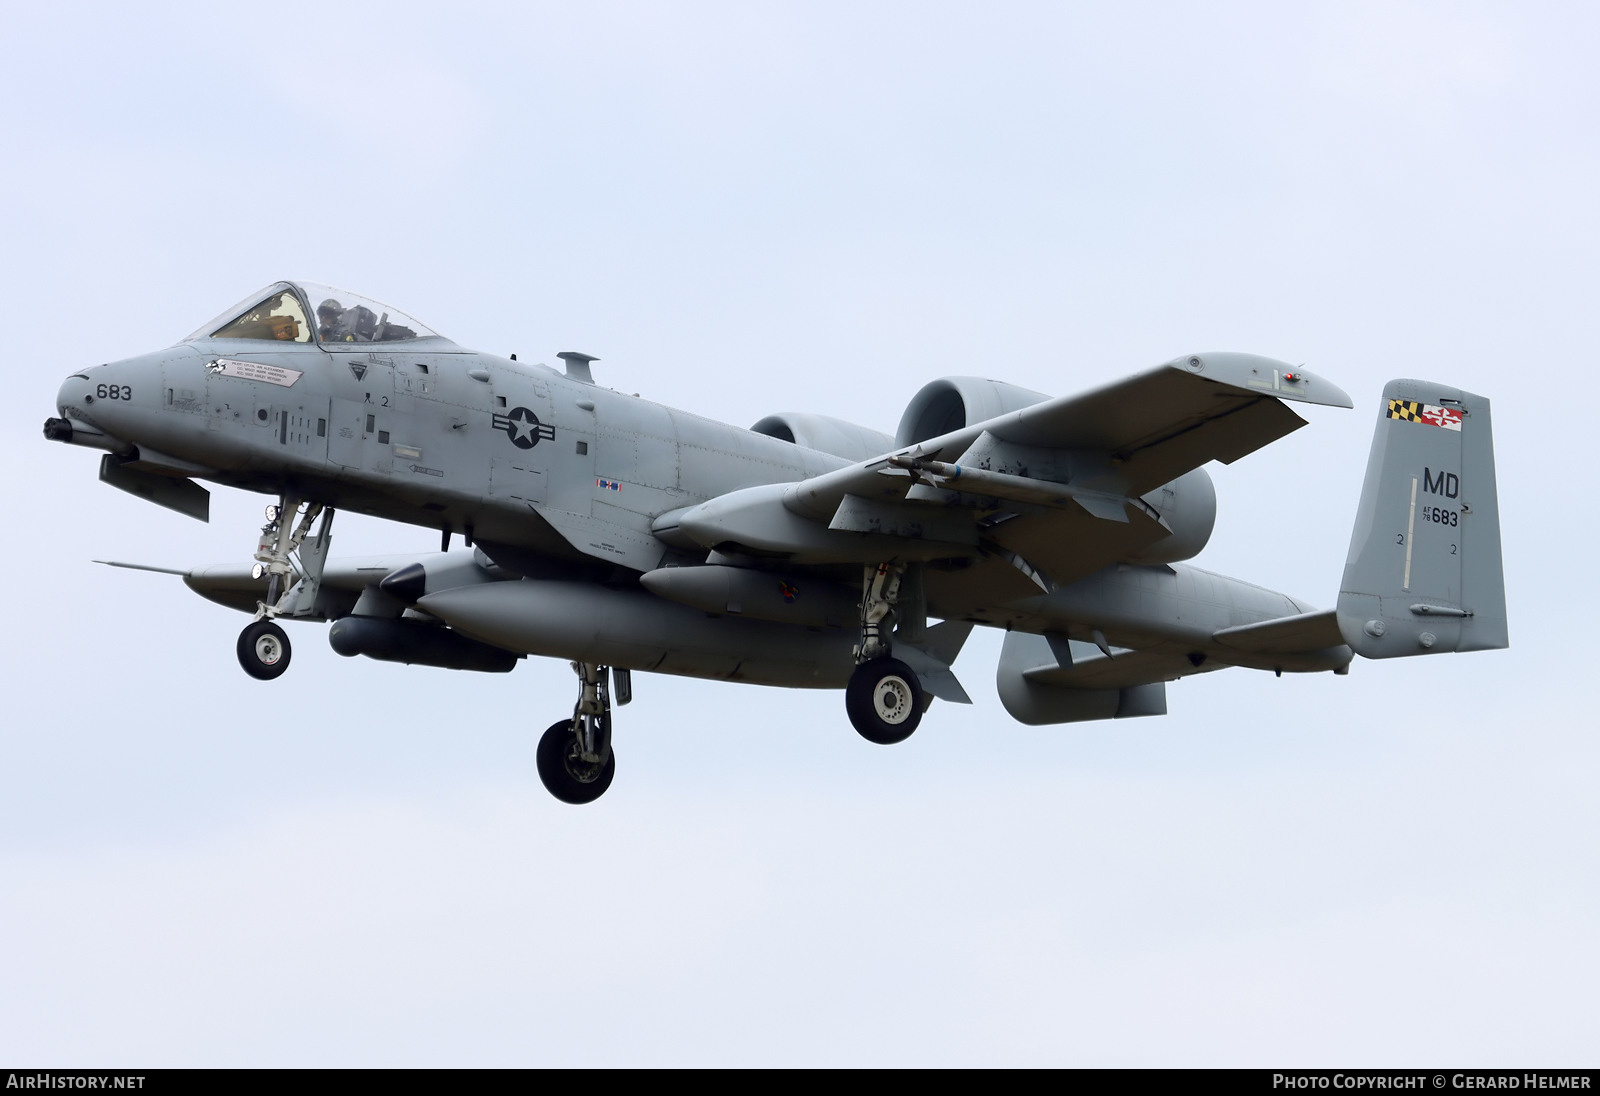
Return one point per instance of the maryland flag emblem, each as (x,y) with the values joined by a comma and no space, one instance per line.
(1425,413)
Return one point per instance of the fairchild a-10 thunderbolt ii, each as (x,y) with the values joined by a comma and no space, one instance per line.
(805,552)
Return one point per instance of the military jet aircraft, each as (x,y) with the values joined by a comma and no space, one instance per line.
(805,551)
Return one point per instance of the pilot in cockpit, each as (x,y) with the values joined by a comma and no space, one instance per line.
(336,323)
(358,323)
(328,315)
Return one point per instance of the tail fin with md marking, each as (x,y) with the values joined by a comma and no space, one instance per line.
(1424,573)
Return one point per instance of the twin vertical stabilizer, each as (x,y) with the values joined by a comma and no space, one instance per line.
(1424,572)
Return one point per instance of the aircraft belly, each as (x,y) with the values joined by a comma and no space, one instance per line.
(633,629)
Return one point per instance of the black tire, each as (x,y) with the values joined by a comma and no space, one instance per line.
(564,775)
(263,650)
(884,700)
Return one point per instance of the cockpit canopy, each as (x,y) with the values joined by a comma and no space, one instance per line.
(302,312)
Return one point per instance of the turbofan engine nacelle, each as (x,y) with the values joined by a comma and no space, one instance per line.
(1038,702)
(1189,507)
(950,403)
(825,434)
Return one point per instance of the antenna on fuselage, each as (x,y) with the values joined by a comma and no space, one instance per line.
(578,365)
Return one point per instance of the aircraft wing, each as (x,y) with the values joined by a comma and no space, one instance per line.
(1151,428)
(1043,495)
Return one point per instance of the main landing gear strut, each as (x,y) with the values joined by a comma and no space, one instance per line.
(884,698)
(263,648)
(575,760)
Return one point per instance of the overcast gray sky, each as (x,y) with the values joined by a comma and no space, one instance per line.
(746,208)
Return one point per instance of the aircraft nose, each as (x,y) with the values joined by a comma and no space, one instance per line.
(79,424)
(76,392)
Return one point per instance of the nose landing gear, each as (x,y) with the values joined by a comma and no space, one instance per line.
(263,650)
(285,549)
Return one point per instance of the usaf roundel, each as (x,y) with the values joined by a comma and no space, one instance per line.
(523,427)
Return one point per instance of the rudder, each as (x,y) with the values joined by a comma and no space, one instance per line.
(1424,572)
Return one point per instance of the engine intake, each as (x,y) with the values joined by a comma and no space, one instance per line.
(950,403)
(825,434)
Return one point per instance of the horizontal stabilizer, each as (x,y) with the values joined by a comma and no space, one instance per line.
(1286,635)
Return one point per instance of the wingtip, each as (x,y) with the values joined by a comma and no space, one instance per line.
(1265,376)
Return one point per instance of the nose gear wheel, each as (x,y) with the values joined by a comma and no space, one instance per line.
(291,559)
(263,650)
